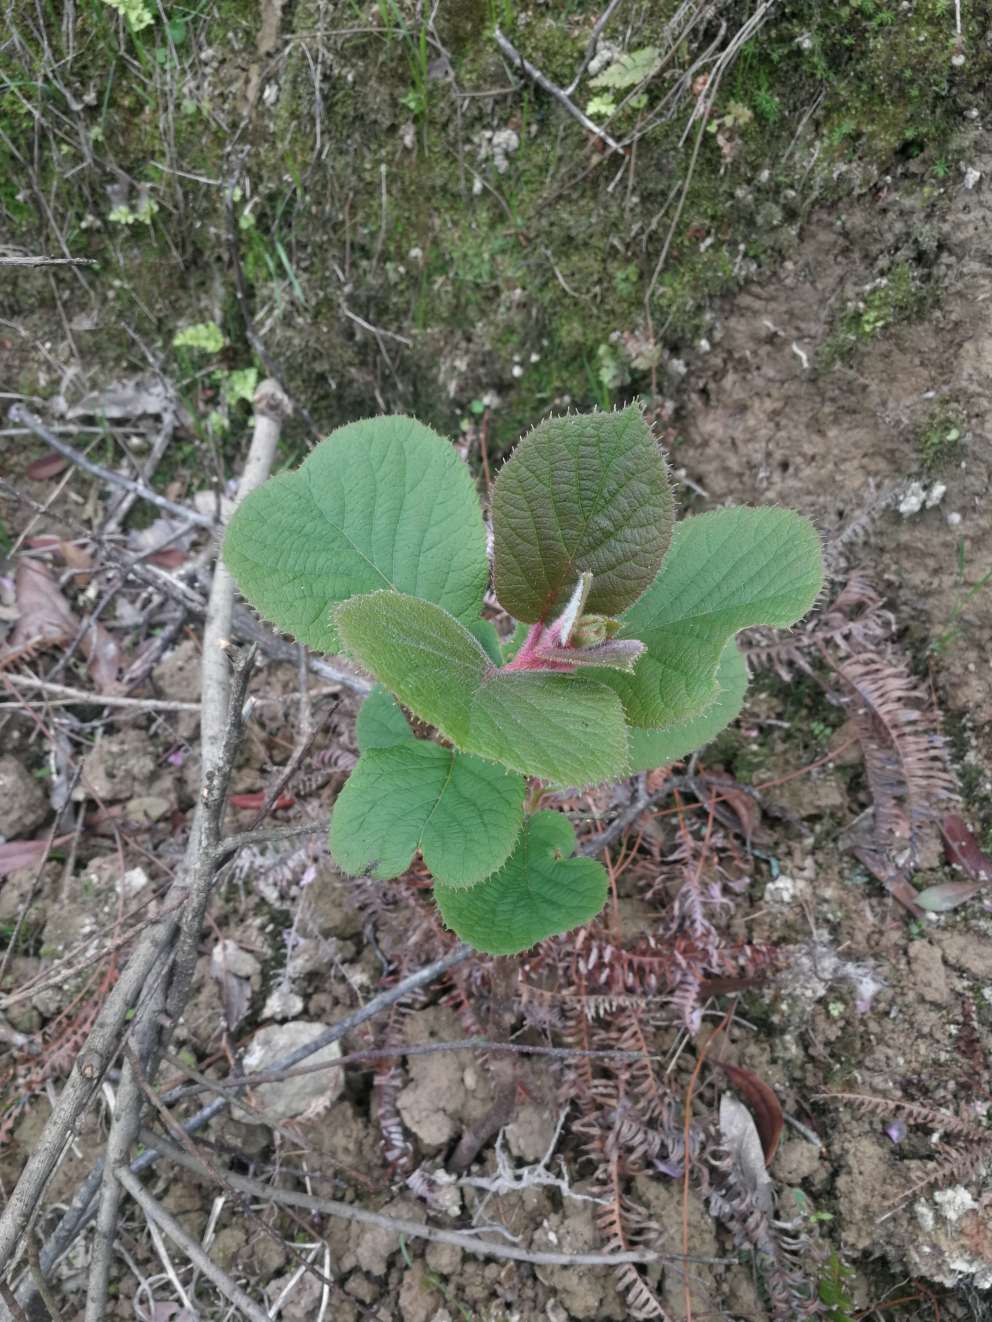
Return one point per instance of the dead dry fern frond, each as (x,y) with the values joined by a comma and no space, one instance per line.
(906,761)
(624,1225)
(894,718)
(970,1159)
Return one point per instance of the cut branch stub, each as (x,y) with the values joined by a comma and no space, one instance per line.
(581,494)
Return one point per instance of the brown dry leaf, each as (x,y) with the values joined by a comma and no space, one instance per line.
(79,559)
(963,849)
(765,1106)
(732,803)
(45,617)
(50,465)
(17,854)
(104,657)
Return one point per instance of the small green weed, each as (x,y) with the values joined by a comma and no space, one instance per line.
(897,297)
(940,439)
(834,1290)
(964,595)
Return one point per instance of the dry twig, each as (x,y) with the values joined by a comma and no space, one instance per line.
(157,1213)
(413,1229)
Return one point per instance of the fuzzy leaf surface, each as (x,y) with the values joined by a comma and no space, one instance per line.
(381,503)
(380,722)
(656,748)
(463,814)
(726,571)
(580,493)
(539,892)
(563,728)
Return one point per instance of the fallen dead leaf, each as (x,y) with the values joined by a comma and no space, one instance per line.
(765,1106)
(17,854)
(44,616)
(50,465)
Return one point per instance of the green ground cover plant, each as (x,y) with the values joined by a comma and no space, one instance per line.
(623,659)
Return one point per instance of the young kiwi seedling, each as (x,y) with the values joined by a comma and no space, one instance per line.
(623,658)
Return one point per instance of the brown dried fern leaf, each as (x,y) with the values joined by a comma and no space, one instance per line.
(913,1112)
(906,762)
(625,1225)
(954,1167)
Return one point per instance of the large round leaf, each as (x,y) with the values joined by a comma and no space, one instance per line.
(577,494)
(728,570)
(539,892)
(383,503)
(656,748)
(564,728)
(463,814)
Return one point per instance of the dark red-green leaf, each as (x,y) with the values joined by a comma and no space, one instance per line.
(581,493)
(963,849)
(762,1103)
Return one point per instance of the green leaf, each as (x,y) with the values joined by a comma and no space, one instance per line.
(422,655)
(564,728)
(381,503)
(484,632)
(656,748)
(580,493)
(600,107)
(463,814)
(206,336)
(539,892)
(381,723)
(726,571)
(629,69)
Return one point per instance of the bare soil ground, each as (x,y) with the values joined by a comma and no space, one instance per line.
(811,386)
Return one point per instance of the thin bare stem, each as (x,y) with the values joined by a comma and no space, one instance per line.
(19,414)
(165,1221)
(398,1226)
(542,80)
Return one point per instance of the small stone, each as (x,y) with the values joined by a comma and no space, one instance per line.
(530,1132)
(120,766)
(228,957)
(912,501)
(282,1004)
(226,1246)
(445,1259)
(361,1287)
(148,808)
(132,882)
(418,1299)
(23,805)
(287,1098)
(971,175)
(795,1161)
